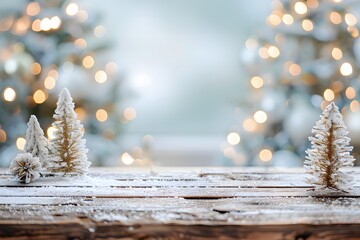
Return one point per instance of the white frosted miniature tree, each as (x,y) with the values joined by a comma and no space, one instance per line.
(330,151)
(25,167)
(67,148)
(36,143)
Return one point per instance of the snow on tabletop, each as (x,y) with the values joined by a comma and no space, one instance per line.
(167,201)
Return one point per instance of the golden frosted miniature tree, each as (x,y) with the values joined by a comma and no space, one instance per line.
(36,143)
(330,151)
(67,148)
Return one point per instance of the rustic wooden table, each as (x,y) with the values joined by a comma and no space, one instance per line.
(176,203)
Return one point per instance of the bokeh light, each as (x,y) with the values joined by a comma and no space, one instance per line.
(329,95)
(257,82)
(39,97)
(88,62)
(20,143)
(129,114)
(265,155)
(100,76)
(9,94)
(300,8)
(127,159)
(346,69)
(33,9)
(260,116)
(72,9)
(101,115)
(233,138)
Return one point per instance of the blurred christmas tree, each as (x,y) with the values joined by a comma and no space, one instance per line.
(45,46)
(308,56)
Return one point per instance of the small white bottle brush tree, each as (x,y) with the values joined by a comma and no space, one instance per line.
(330,152)
(67,148)
(36,143)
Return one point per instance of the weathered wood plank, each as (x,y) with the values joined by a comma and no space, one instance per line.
(177,204)
(244,211)
(273,181)
(59,229)
(165,192)
(230,232)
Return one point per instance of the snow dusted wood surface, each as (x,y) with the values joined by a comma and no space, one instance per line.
(177,203)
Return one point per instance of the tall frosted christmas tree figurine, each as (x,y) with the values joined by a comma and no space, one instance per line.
(330,151)
(36,143)
(67,147)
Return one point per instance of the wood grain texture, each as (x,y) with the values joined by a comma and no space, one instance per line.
(177,203)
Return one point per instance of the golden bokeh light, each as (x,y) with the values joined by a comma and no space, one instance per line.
(33,9)
(101,115)
(72,9)
(49,82)
(2,136)
(294,69)
(233,138)
(300,8)
(81,113)
(127,159)
(100,76)
(265,155)
(257,82)
(129,114)
(354,106)
(287,19)
(9,94)
(20,143)
(346,69)
(307,25)
(35,68)
(260,116)
(249,125)
(312,3)
(88,62)
(274,19)
(80,43)
(350,93)
(263,53)
(335,17)
(45,24)
(273,51)
(329,95)
(55,22)
(39,97)
(336,53)
(350,19)
(36,25)
(51,132)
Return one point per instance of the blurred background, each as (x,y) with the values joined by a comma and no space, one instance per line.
(181,83)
